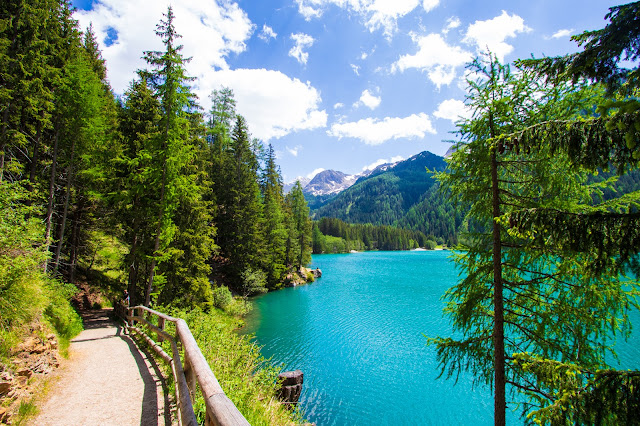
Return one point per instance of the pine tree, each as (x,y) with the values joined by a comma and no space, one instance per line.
(299,242)
(522,292)
(169,80)
(274,229)
(239,218)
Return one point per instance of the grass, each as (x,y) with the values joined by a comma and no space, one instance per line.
(246,377)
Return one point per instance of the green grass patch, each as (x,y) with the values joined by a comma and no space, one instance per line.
(247,378)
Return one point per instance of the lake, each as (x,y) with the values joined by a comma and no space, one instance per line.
(358,334)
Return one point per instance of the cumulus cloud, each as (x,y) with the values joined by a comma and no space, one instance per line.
(267,33)
(492,34)
(356,69)
(373,131)
(295,150)
(383,161)
(273,103)
(314,173)
(453,110)
(224,26)
(429,5)
(452,23)
(338,105)
(435,57)
(302,41)
(376,14)
(369,100)
(563,33)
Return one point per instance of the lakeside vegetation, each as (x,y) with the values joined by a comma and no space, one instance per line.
(336,236)
(197,212)
(550,260)
(145,191)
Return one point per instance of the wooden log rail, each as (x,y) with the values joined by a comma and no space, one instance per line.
(220,410)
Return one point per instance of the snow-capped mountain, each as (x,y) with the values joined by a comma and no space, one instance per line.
(329,182)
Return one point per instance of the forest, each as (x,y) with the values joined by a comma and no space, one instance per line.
(189,193)
(336,236)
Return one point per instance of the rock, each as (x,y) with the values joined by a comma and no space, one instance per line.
(25,372)
(317,273)
(39,349)
(5,387)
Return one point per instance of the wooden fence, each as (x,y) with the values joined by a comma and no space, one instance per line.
(220,410)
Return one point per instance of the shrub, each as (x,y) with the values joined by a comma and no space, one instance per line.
(222,297)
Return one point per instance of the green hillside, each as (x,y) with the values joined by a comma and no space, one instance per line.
(405,195)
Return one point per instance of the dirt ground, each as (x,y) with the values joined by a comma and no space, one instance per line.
(107,380)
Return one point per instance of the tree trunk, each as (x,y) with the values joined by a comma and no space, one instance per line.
(75,241)
(34,157)
(52,181)
(3,139)
(500,404)
(65,212)
(156,245)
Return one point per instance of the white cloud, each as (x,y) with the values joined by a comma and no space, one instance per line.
(562,33)
(453,110)
(373,131)
(295,150)
(429,5)
(356,69)
(302,41)
(491,34)
(267,33)
(435,57)
(223,25)
(314,173)
(376,14)
(273,103)
(369,100)
(338,105)
(383,161)
(452,23)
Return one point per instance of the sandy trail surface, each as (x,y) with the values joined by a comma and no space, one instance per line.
(107,380)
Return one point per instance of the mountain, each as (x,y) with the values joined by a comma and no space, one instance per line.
(329,182)
(401,194)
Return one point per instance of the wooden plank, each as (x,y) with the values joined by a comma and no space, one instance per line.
(223,412)
(220,410)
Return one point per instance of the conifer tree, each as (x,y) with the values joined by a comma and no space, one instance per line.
(299,242)
(169,80)
(274,221)
(521,294)
(239,217)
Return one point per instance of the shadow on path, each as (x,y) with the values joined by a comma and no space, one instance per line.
(95,319)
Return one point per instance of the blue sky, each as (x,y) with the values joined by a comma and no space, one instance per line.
(340,84)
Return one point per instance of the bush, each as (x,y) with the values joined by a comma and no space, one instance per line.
(244,375)
(222,297)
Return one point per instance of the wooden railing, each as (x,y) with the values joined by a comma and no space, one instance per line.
(220,410)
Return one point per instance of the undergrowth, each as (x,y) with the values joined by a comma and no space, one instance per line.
(243,373)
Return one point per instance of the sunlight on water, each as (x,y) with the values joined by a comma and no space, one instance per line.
(358,334)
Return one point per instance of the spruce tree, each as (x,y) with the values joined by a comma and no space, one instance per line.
(274,222)
(169,80)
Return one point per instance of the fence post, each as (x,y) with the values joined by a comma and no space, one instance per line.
(190,375)
(161,327)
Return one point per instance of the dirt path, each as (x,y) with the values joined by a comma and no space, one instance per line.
(107,380)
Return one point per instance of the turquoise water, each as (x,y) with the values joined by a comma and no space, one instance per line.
(358,334)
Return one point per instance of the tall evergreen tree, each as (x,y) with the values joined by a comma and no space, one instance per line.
(274,221)
(520,293)
(169,80)
(299,242)
(239,217)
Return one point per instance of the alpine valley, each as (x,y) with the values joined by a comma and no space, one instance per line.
(402,194)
